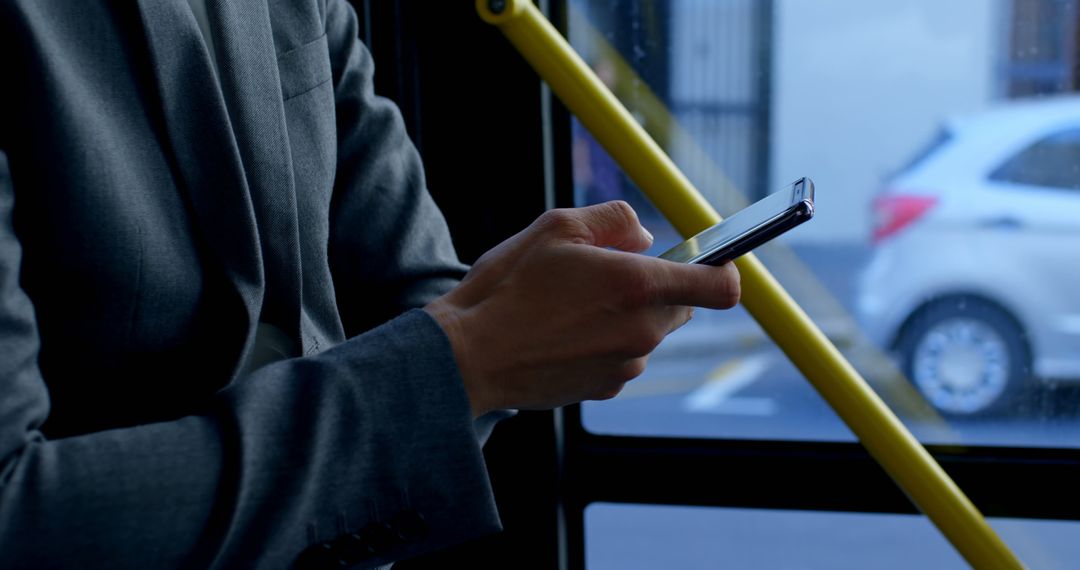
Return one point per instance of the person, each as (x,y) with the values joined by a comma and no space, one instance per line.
(233,328)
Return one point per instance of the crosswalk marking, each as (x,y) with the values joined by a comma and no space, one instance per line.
(715,395)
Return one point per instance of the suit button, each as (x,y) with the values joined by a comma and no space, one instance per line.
(410,525)
(381,537)
(353,548)
(317,557)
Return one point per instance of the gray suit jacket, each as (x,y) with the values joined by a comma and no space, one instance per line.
(150,216)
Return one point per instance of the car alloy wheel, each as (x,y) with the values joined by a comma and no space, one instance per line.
(965,356)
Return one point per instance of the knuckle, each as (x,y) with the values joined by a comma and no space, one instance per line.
(679,317)
(644,343)
(488,258)
(655,338)
(631,369)
(557,214)
(617,377)
(623,210)
(560,220)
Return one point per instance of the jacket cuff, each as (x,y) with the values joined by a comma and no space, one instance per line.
(443,496)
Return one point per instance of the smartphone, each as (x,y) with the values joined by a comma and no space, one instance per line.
(748,228)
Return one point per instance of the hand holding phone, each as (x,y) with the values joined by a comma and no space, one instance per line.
(748,228)
(566,311)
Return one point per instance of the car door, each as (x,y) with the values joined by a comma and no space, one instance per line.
(1033,211)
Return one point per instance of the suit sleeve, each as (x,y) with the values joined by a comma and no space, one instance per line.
(390,248)
(363,455)
(388,242)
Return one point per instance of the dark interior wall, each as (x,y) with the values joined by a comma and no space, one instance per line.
(472,106)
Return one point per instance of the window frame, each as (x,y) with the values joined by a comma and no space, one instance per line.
(832,476)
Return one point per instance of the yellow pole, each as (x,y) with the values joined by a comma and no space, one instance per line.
(879,430)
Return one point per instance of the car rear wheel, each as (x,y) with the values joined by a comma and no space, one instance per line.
(966,356)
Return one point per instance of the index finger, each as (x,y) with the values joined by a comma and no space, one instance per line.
(692,284)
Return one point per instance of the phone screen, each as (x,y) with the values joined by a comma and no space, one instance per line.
(754,220)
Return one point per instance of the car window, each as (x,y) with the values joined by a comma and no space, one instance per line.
(1053,162)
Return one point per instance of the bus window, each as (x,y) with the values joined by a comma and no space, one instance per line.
(951,289)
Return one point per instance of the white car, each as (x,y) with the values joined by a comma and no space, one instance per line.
(974,281)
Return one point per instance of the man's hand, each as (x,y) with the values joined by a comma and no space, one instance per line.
(552,316)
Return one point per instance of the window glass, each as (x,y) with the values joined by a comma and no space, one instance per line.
(1053,162)
(629,537)
(953,294)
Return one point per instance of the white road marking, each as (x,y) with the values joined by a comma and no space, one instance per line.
(745,407)
(715,396)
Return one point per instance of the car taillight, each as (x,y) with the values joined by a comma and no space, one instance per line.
(893,213)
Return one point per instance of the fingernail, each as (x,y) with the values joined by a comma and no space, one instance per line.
(648,236)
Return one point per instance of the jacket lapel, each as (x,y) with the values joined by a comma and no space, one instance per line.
(249,78)
(198,128)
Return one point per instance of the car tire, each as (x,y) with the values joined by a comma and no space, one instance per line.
(966,356)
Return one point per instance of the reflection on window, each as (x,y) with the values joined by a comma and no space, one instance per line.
(938,269)
(1053,162)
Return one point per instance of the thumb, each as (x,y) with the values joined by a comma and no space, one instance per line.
(614,224)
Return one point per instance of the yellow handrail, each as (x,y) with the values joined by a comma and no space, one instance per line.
(879,430)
